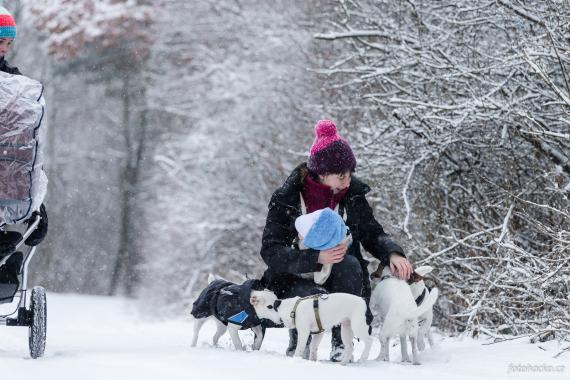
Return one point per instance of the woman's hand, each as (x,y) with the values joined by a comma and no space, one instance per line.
(333,255)
(400,266)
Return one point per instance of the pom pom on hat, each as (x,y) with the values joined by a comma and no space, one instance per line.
(330,153)
(325,134)
(7,24)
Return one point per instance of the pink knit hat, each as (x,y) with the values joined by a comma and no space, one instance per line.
(330,153)
(7,24)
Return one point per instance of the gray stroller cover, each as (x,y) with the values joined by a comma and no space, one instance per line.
(23,184)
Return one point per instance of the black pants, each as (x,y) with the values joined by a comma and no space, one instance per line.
(345,277)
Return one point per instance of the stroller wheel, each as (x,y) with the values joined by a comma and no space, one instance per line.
(38,321)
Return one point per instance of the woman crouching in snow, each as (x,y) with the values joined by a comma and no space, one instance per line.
(326,180)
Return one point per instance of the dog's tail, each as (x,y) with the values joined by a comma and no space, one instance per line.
(211,278)
(428,303)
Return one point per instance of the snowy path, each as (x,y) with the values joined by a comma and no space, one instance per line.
(99,338)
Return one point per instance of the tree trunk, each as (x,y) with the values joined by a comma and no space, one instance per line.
(126,268)
(126,186)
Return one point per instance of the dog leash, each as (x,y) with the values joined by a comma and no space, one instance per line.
(315,299)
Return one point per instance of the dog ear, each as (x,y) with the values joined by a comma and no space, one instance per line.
(415,277)
(373,264)
(378,272)
(423,270)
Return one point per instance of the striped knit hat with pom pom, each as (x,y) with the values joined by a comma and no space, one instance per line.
(330,153)
(7,24)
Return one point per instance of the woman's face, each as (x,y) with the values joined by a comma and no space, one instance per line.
(5,44)
(336,182)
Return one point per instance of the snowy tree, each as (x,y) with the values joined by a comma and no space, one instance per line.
(241,108)
(462,110)
(113,40)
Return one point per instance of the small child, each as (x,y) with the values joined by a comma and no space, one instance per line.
(7,35)
(321,230)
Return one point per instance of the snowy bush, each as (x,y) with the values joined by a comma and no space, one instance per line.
(462,110)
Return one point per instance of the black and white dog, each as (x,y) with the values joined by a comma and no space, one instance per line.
(405,307)
(230,306)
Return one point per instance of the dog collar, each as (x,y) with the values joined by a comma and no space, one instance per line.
(421,297)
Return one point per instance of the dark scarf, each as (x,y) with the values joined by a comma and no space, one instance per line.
(8,69)
(318,196)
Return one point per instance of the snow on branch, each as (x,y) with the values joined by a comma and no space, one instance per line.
(72,26)
(365,33)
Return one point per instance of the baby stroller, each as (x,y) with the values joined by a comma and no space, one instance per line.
(32,311)
(23,186)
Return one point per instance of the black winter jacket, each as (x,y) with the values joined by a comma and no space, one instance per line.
(228,302)
(8,69)
(282,256)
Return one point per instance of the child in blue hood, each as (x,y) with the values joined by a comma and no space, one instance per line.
(321,230)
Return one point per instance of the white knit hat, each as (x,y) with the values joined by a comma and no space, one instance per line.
(304,223)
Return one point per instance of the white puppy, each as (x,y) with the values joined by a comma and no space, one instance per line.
(420,292)
(332,309)
(397,307)
(232,328)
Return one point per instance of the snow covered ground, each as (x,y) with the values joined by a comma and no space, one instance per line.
(104,338)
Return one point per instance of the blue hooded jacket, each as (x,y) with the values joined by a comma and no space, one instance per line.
(327,231)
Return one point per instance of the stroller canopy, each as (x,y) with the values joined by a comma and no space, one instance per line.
(23,128)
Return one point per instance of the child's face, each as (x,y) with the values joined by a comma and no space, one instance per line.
(5,44)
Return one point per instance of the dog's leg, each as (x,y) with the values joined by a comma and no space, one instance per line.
(314,346)
(360,329)
(384,348)
(428,331)
(347,339)
(198,323)
(258,332)
(367,339)
(430,338)
(415,359)
(404,348)
(235,337)
(220,330)
(302,338)
(421,342)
